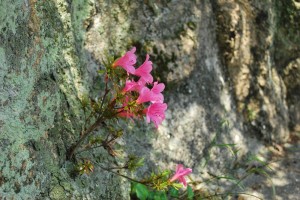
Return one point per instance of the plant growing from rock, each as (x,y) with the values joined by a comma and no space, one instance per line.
(130,93)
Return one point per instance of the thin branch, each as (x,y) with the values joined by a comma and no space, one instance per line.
(88,119)
(104,96)
(122,175)
(85,134)
(87,149)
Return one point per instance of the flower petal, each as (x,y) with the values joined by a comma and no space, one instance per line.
(127,61)
(180,174)
(158,88)
(144,70)
(145,95)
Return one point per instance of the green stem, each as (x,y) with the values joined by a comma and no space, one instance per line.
(86,149)
(122,175)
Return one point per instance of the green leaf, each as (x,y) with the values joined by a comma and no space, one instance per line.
(140,162)
(166,173)
(151,195)
(163,196)
(190,192)
(141,191)
(85,100)
(101,71)
(174,192)
(177,185)
(160,196)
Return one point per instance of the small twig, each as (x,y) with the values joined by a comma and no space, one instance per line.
(88,119)
(123,167)
(104,96)
(122,175)
(111,140)
(104,143)
(107,136)
(83,137)
(117,108)
(87,149)
(87,132)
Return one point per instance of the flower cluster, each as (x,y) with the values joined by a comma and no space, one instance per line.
(137,82)
(129,92)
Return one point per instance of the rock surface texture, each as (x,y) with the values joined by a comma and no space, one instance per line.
(232,74)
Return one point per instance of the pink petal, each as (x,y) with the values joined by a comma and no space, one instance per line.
(179,167)
(180,174)
(127,61)
(134,86)
(130,69)
(157,88)
(140,84)
(148,78)
(144,70)
(155,112)
(157,98)
(132,50)
(182,180)
(131,57)
(185,172)
(145,95)
(129,86)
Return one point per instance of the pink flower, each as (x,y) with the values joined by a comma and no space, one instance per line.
(158,87)
(154,95)
(144,70)
(156,113)
(127,61)
(130,86)
(156,90)
(157,97)
(134,86)
(145,95)
(180,173)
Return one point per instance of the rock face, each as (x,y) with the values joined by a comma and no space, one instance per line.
(256,50)
(232,70)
